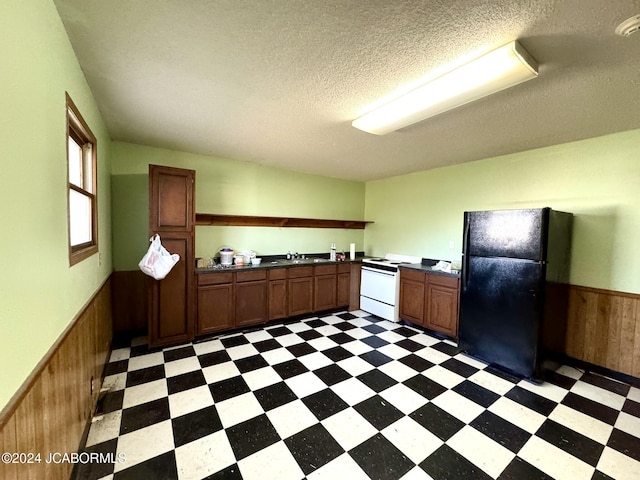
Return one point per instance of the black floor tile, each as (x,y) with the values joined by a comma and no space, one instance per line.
(376,380)
(279,331)
(476,393)
(178,353)
(317,323)
(301,349)
(501,431)
(234,341)
(461,368)
(426,387)
(344,326)
(409,345)
(378,412)
(273,396)
(163,466)
(337,353)
(251,436)
(332,374)
(447,464)
(290,368)
(380,459)
(437,421)
(530,400)
(594,409)
(248,364)
(347,316)
(419,364)
(195,425)
(114,368)
(571,442)
(324,403)
(309,335)
(606,383)
(492,369)
(229,388)
(186,381)
(406,332)
(96,470)
(631,407)
(374,341)
(143,415)
(214,358)
(144,375)
(446,348)
(232,472)
(111,402)
(519,469)
(266,345)
(375,358)
(625,443)
(560,380)
(313,448)
(341,338)
(375,329)
(598,475)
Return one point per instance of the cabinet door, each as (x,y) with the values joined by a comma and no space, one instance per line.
(442,310)
(215,308)
(300,295)
(412,297)
(171,194)
(277,299)
(325,289)
(344,287)
(251,303)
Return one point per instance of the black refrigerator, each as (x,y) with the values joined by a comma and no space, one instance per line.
(510,258)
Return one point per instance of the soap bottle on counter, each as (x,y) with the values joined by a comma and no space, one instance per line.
(332,255)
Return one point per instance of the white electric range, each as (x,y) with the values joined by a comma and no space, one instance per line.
(380,284)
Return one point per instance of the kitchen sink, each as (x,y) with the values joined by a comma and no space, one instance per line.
(302,261)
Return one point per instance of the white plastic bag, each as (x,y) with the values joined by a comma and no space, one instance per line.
(157,262)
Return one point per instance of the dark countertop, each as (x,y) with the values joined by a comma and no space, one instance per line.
(421,267)
(281,263)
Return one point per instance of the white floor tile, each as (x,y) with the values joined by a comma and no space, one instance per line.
(357,348)
(273,357)
(305,384)
(582,423)
(482,451)
(242,351)
(634,394)
(393,351)
(146,361)
(115,382)
(273,463)
(598,394)
(352,391)
(458,406)
(144,393)
(327,330)
(491,382)
(184,365)
(470,361)
(349,428)
(355,366)
(398,371)
(145,443)
(291,418)
(189,401)
(628,423)
(443,376)
(298,327)
(203,457)
(208,347)
(553,461)
(258,336)
(238,409)
(403,398)
(263,377)
(412,439)
(619,466)
(221,371)
(322,343)
(358,333)
(315,360)
(546,390)
(433,355)
(343,467)
(518,414)
(569,372)
(288,340)
(120,354)
(416,473)
(391,336)
(103,428)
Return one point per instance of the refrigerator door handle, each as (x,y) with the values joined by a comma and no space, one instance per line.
(465,255)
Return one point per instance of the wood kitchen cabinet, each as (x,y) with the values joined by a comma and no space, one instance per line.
(172,301)
(251,293)
(300,290)
(343,285)
(215,303)
(325,287)
(277,293)
(430,300)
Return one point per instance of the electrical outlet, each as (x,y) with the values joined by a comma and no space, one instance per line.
(99,259)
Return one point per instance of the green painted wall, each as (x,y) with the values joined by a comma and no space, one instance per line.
(39,293)
(596,179)
(232,187)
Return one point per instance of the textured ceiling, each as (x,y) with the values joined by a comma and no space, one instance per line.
(278,82)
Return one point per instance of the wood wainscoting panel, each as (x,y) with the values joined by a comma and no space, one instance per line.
(51,410)
(603,328)
(129,295)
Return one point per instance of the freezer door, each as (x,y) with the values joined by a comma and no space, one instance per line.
(506,233)
(500,312)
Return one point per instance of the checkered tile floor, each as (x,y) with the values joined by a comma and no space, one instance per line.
(350,396)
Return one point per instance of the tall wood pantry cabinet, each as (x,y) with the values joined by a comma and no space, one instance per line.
(172,301)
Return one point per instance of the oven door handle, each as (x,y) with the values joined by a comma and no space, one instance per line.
(381,272)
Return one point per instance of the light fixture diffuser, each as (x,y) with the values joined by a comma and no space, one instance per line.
(501,68)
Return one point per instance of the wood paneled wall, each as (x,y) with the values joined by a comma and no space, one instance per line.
(603,328)
(51,410)
(129,293)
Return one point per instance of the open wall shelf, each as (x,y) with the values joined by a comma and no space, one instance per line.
(256,221)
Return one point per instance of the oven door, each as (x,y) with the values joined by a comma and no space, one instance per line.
(378,285)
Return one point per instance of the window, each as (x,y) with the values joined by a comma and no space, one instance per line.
(81,184)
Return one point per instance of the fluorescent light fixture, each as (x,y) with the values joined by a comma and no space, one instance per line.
(501,68)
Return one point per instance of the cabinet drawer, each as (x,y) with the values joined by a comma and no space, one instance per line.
(412,275)
(324,270)
(344,268)
(443,280)
(277,274)
(251,275)
(297,272)
(214,278)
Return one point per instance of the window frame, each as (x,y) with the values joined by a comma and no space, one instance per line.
(79,131)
